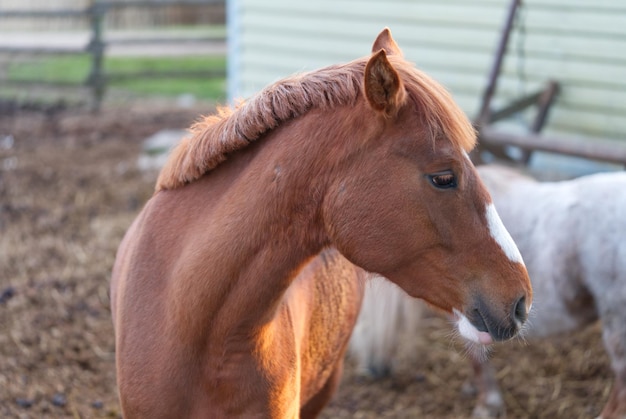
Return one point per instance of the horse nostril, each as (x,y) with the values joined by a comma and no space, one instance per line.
(519,311)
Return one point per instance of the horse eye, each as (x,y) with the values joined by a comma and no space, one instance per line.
(445,180)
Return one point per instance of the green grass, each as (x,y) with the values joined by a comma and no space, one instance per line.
(63,69)
(75,70)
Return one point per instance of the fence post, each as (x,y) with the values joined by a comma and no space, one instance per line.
(96,79)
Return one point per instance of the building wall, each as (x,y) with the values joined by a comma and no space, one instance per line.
(580,43)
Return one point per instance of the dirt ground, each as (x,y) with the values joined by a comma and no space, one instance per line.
(69,188)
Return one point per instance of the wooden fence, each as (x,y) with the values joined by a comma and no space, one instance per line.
(100,15)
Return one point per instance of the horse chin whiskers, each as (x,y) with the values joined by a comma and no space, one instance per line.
(521,335)
(453,335)
(472,350)
(477,351)
(524,328)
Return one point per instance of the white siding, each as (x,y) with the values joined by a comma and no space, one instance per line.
(580,43)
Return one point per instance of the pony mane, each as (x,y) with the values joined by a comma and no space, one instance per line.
(216,136)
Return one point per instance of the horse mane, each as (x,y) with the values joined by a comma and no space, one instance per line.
(216,136)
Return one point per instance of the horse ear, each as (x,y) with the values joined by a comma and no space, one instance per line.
(383,88)
(385,41)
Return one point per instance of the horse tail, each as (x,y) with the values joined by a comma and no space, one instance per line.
(387,313)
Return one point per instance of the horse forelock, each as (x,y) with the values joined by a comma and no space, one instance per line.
(216,136)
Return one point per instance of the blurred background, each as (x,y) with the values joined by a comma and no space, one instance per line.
(93,94)
(81,51)
(548,66)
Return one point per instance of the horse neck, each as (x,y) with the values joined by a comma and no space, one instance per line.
(269,217)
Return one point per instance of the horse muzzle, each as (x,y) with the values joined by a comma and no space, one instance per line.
(481,325)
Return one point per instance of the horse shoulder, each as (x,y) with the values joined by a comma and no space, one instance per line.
(120,269)
(147,286)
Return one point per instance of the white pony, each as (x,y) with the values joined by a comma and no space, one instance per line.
(577,277)
(387,313)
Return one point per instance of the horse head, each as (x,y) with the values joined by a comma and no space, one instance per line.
(416,211)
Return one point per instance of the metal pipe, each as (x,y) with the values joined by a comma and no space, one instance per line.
(483,115)
(591,148)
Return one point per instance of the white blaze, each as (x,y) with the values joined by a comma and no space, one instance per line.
(501,235)
(504,239)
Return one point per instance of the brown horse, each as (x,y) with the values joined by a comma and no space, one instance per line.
(217,312)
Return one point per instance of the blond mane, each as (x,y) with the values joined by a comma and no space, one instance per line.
(216,136)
